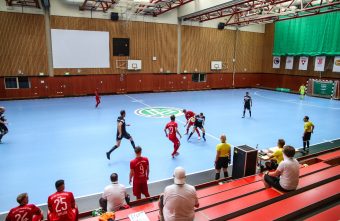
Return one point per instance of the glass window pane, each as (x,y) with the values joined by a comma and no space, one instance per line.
(11,82)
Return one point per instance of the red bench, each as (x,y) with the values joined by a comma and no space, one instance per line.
(332,214)
(285,209)
(219,193)
(234,208)
(329,156)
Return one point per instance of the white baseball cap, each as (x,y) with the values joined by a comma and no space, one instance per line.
(179,175)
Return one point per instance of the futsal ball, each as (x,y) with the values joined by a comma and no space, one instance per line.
(192,119)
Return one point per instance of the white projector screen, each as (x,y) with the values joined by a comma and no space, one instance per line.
(80,49)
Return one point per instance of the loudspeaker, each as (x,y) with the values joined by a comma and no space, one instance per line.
(244,161)
(114,16)
(45,3)
(220,26)
(120,46)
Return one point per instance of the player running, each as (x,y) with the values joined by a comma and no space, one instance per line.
(170,132)
(199,123)
(96,93)
(190,116)
(121,133)
(247,104)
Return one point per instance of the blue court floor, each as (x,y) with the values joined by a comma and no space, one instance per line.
(66,138)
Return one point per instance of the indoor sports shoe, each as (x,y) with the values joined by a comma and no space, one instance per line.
(199,138)
(108,155)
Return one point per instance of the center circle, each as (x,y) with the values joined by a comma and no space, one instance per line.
(158,112)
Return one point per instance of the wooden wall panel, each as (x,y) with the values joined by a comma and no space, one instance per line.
(247,80)
(249,50)
(267,64)
(146,41)
(23,44)
(200,46)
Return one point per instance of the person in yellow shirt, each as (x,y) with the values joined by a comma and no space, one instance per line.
(302,91)
(277,157)
(222,157)
(307,133)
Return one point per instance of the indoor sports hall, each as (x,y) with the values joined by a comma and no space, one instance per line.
(69,67)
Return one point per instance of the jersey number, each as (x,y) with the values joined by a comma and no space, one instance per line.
(171,130)
(18,217)
(61,205)
(141,169)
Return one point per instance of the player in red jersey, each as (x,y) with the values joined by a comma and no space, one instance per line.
(96,93)
(139,172)
(61,204)
(190,116)
(171,127)
(25,211)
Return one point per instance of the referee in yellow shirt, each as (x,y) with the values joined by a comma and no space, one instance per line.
(308,130)
(222,157)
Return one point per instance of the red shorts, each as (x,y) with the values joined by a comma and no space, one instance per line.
(190,123)
(140,188)
(174,140)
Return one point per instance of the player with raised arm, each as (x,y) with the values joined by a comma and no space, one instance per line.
(190,117)
(199,123)
(247,104)
(121,133)
(171,129)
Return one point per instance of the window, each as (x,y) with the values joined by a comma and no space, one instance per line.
(17,82)
(11,83)
(24,82)
(199,77)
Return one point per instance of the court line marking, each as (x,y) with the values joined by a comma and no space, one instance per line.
(178,120)
(294,102)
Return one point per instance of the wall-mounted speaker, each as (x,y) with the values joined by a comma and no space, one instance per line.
(220,26)
(114,16)
(45,3)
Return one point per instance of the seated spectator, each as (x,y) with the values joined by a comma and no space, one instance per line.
(61,204)
(277,157)
(24,211)
(222,158)
(115,195)
(179,199)
(286,176)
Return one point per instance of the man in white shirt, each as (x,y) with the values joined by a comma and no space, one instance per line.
(286,176)
(115,194)
(179,199)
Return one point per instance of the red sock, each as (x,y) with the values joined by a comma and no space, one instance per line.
(198,132)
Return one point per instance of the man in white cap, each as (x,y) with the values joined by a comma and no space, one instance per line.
(179,199)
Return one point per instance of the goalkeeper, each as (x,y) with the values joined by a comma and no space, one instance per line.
(302,91)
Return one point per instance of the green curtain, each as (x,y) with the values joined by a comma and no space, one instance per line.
(311,36)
